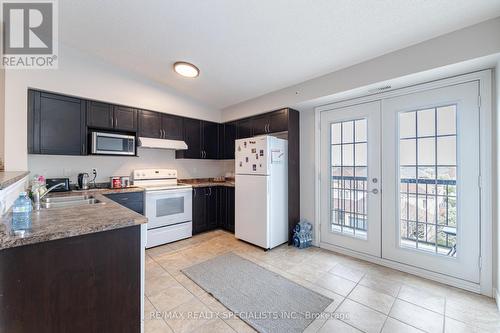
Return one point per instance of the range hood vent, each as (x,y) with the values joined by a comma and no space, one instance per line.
(162,143)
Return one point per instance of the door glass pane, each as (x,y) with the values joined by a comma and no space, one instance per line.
(349,193)
(428,180)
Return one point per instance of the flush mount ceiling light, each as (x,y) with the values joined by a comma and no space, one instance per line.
(186,69)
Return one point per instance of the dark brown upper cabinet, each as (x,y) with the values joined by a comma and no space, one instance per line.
(277,121)
(244,128)
(202,139)
(259,125)
(56,124)
(99,115)
(210,144)
(150,124)
(272,122)
(193,139)
(172,127)
(160,126)
(227,135)
(111,117)
(125,118)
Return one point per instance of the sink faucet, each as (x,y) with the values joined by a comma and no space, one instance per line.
(37,197)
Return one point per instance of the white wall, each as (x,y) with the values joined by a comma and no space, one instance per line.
(463,46)
(69,166)
(496,226)
(469,43)
(84,76)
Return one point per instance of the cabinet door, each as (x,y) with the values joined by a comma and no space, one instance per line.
(172,127)
(125,118)
(57,124)
(192,137)
(228,143)
(278,121)
(210,140)
(244,129)
(149,124)
(229,205)
(259,125)
(199,210)
(212,214)
(221,206)
(99,115)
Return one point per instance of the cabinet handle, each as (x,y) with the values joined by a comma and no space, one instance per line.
(116,122)
(194,191)
(160,133)
(210,189)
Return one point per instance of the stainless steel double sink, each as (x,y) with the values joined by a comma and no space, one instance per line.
(68,201)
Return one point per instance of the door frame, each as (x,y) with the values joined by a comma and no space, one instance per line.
(487,150)
(372,113)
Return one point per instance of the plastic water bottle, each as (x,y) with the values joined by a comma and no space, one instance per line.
(21,213)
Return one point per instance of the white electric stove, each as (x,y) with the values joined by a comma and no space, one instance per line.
(168,205)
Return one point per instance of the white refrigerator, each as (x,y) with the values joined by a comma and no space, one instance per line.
(261,195)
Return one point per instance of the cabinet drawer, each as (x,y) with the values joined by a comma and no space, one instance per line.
(133,201)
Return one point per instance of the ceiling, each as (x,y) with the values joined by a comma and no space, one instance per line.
(245,49)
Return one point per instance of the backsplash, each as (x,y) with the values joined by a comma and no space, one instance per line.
(53,166)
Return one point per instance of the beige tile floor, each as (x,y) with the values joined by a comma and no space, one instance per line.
(367,297)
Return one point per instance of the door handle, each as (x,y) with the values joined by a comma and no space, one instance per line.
(375,191)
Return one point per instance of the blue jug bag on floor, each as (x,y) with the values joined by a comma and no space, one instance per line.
(21,213)
(302,236)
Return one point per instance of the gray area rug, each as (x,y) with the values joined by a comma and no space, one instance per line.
(265,300)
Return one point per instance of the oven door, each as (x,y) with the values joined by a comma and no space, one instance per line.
(168,207)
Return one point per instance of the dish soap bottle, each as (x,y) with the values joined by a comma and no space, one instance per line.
(21,214)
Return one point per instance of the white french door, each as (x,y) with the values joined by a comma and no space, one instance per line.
(350,177)
(431,199)
(400,179)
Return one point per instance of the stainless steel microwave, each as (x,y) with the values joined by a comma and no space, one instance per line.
(112,144)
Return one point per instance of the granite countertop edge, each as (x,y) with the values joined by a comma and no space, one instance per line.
(8,178)
(60,223)
(206,182)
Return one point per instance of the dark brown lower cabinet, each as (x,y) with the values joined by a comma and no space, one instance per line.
(213,207)
(87,283)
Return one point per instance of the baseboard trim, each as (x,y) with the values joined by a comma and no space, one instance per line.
(454,282)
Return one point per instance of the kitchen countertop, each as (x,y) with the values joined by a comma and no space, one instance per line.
(57,223)
(204,182)
(8,178)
